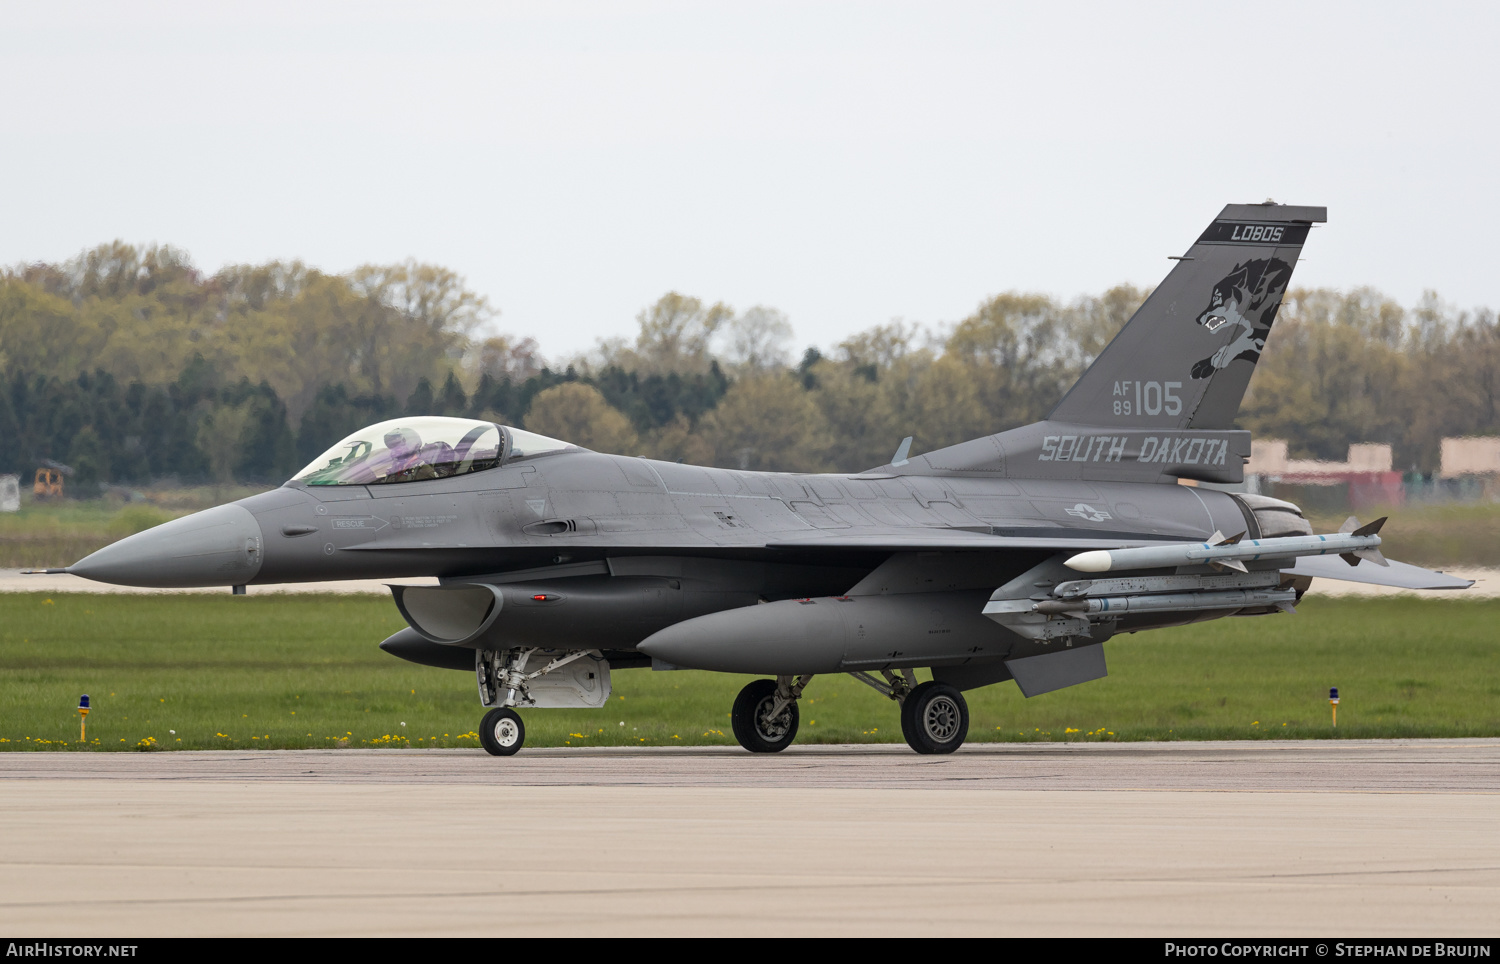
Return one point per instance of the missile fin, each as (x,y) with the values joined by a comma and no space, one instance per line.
(1370,529)
(1216,539)
(1350,524)
(1372,555)
(1350,558)
(1229,564)
(1232,540)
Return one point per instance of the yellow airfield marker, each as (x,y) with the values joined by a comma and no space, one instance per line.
(1333,702)
(83,716)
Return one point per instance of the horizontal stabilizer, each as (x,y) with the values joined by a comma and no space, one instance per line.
(1400,575)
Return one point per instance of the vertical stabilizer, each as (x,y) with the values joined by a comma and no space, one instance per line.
(1184,359)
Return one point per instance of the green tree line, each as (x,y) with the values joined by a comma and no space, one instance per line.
(130,364)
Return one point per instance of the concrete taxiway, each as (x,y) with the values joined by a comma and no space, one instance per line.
(1177,839)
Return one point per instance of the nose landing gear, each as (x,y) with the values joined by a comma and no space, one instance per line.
(501,731)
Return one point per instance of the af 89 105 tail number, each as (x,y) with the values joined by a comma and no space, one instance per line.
(1147,398)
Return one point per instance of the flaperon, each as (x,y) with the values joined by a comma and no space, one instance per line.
(1013,556)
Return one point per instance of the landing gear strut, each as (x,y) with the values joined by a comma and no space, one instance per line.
(765,713)
(502,732)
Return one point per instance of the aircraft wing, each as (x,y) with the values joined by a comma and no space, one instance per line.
(1399,574)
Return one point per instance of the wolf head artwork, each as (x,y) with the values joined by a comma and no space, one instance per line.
(1245,302)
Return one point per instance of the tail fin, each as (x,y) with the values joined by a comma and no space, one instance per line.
(1184,359)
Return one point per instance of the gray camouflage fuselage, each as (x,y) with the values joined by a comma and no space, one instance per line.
(629,546)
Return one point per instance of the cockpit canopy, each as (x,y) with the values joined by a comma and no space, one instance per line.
(425,447)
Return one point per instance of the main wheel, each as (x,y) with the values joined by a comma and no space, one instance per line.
(935,718)
(502,732)
(753,726)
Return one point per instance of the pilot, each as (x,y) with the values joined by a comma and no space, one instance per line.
(406,462)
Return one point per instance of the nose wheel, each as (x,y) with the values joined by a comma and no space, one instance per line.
(935,718)
(763,721)
(501,731)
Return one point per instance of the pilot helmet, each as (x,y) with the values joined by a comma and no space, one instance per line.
(403,441)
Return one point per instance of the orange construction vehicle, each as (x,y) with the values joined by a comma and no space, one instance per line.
(49,481)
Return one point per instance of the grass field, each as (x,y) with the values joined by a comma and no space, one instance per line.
(304,671)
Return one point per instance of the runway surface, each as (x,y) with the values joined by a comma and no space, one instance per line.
(1316,838)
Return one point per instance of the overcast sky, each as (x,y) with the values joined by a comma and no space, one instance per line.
(846,163)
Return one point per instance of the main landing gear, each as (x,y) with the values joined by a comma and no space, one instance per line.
(765,714)
(934,716)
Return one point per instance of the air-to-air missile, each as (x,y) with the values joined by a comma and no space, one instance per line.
(1206,576)
(1353,542)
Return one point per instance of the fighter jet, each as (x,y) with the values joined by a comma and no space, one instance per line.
(1016,556)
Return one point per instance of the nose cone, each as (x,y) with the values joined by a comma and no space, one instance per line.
(216,547)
